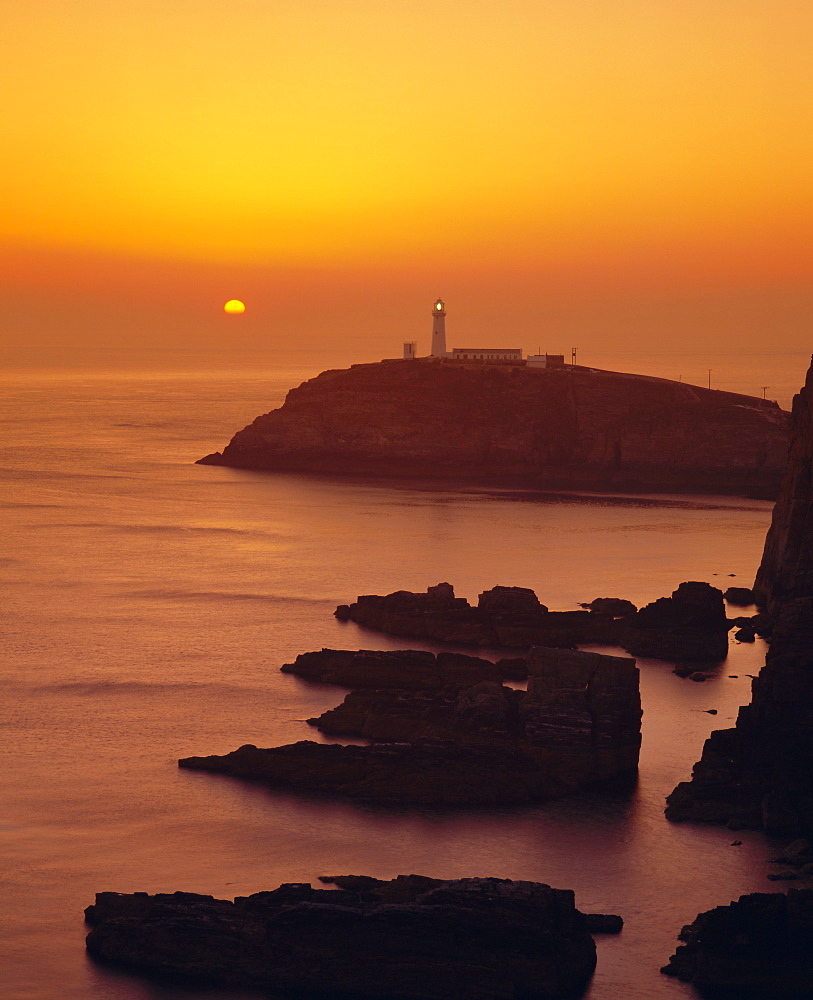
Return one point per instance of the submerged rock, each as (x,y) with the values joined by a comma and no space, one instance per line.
(412,938)
(760,946)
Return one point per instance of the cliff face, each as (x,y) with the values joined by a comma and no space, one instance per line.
(761,772)
(786,570)
(558,428)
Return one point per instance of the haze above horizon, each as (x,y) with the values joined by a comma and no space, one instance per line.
(620,174)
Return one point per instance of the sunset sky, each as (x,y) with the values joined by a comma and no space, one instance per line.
(622,171)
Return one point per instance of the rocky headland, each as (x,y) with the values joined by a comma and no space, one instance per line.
(577,725)
(691,625)
(565,428)
(759,946)
(411,938)
(760,773)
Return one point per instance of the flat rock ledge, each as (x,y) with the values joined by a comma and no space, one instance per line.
(411,938)
(413,669)
(479,745)
(759,946)
(691,625)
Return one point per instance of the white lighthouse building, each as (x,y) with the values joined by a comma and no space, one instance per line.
(439,329)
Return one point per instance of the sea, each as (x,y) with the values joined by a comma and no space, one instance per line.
(148,604)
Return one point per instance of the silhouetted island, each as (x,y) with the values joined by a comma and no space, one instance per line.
(555,428)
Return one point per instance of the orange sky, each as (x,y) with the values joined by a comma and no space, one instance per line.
(608,169)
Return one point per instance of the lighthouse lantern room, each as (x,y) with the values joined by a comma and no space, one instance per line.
(439,329)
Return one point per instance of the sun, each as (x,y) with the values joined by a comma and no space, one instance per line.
(234,307)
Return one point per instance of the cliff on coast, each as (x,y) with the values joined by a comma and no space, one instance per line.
(760,773)
(786,571)
(565,428)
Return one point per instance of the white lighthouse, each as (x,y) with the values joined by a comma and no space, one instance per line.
(439,329)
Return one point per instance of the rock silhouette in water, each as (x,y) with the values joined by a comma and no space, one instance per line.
(413,669)
(577,725)
(413,938)
(760,773)
(689,625)
(571,427)
(760,946)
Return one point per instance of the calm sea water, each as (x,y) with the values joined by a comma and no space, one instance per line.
(147,604)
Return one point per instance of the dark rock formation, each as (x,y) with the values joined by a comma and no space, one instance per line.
(413,938)
(584,708)
(571,427)
(604,923)
(509,600)
(485,711)
(424,616)
(742,597)
(426,772)
(582,712)
(403,668)
(761,623)
(745,634)
(577,725)
(760,773)
(616,607)
(760,946)
(786,570)
(689,625)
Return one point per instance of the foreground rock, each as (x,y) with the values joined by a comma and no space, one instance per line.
(565,428)
(690,625)
(413,938)
(760,946)
(577,725)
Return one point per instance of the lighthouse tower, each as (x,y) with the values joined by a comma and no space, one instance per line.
(439,329)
